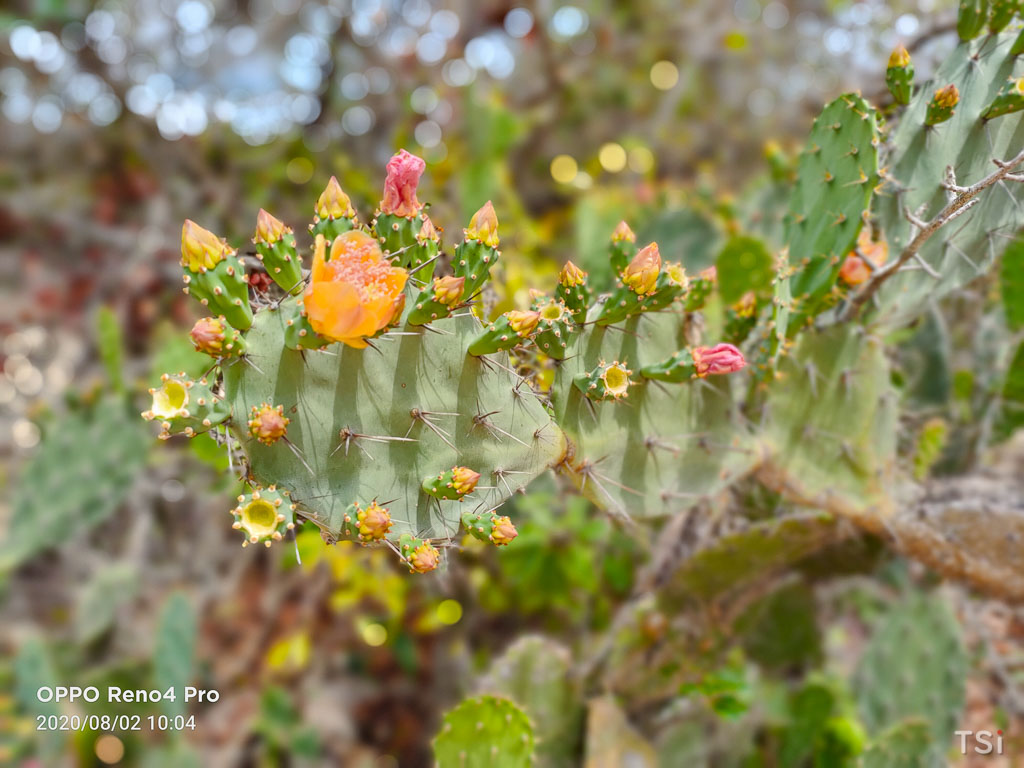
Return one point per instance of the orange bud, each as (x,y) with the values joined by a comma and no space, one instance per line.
(333,203)
(448,290)
(428,231)
(424,558)
(522,323)
(571,275)
(374,522)
(464,480)
(200,248)
(269,229)
(208,336)
(947,97)
(502,531)
(641,274)
(623,233)
(268,424)
(484,226)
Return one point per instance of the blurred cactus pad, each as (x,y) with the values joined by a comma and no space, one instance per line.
(358,383)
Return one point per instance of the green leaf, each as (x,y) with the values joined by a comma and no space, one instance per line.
(744,264)
(33,669)
(174,650)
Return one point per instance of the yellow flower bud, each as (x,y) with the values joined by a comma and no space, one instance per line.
(200,248)
(333,203)
(641,274)
(448,290)
(484,226)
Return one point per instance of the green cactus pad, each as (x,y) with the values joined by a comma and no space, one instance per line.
(831,419)
(82,470)
(224,289)
(536,673)
(914,666)
(485,731)
(837,172)
(354,434)
(905,745)
(663,447)
(971,18)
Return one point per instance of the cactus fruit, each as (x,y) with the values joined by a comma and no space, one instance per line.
(214,275)
(275,247)
(264,515)
(573,292)
(267,423)
(453,484)
(214,337)
(185,406)
(486,730)
(899,75)
(1010,99)
(608,381)
(942,105)
(623,247)
(498,530)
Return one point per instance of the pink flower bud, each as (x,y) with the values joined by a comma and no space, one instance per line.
(404,171)
(721,358)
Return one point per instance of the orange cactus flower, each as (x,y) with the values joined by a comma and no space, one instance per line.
(355,294)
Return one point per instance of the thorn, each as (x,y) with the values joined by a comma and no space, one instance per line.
(298,454)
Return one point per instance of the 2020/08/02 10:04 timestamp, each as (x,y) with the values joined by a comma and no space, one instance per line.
(119,722)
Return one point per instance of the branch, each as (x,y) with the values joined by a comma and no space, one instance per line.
(964,199)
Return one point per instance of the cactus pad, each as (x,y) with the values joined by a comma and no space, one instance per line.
(485,731)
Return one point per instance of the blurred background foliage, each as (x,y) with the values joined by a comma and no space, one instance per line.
(120,119)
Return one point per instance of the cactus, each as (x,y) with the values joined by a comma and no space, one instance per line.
(83,470)
(972,16)
(904,745)
(837,173)
(930,165)
(914,667)
(485,731)
(535,673)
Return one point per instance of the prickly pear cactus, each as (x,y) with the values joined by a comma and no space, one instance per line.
(485,731)
(930,165)
(914,667)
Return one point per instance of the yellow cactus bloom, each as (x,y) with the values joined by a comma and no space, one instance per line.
(947,97)
(523,323)
(900,57)
(259,519)
(169,399)
(616,380)
(502,531)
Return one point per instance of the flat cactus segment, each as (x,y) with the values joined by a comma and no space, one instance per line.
(485,731)
(371,424)
(914,666)
(536,674)
(836,175)
(830,421)
(275,247)
(971,18)
(661,448)
(82,470)
(905,745)
(917,172)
